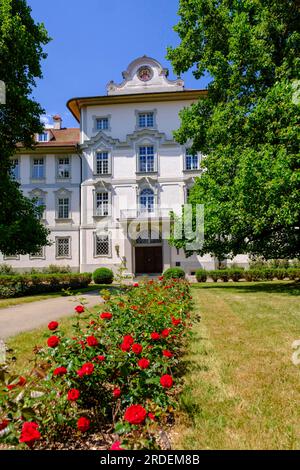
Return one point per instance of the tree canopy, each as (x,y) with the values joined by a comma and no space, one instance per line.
(21,53)
(247,129)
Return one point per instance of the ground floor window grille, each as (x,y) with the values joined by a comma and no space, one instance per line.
(102,245)
(63,248)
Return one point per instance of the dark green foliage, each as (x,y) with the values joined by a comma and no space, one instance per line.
(174,273)
(103,276)
(201,275)
(31,284)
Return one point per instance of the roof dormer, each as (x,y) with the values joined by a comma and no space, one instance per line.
(145,75)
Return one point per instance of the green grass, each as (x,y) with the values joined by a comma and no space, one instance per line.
(242,390)
(34,298)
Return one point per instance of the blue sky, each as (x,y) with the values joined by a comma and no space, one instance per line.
(93,41)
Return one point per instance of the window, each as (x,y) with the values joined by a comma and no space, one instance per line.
(40,254)
(63,247)
(102,207)
(43,137)
(40,202)
(38,168)
(63,168)
(102,163)
(102,124)
(147,201)
(101,245)
(146,159)
(145,120)
(63,207)
(191,161)
(15,169)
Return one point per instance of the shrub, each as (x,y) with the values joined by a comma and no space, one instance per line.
(214,275)
(57,269)
(236,274)
(224,275)
(174,273)
(6,269)
(111,373)
(31,284)
(201,275)
(103,276)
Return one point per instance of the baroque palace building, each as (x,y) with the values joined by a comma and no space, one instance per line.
(108,187)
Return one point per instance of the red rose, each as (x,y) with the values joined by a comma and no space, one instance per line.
(134,307)
(92,341)
(86,369)
(79,309)
(161,278)
(83,424)
(151,416)
(135,414)
(106,316)
(125,347)
(116,446)
(29,433)
(92,322)
(143,363)
(4,424)
(160,302)
(165,333)
(53,341)
(167,353)
(117,392)
(136,284)
(176,321)
(21,382)
(155,336)
(137,348)
(60,371)
(128,339)
(99,358)
(73,394)
(166,381)
(53,325)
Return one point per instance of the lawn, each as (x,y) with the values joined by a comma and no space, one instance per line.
(242,390)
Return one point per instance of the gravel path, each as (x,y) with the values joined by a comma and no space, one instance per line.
(26,317)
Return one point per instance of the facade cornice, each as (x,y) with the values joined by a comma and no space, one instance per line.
(76,104)
(48,150)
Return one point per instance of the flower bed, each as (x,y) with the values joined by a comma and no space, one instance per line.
(117,373)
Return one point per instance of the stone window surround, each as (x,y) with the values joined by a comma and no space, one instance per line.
(37,157)
(70,247)
(141,111)
(109,255)
(95,117)
(61,178)
(146,143)
(34,257)
(102,190)
(153,188)
(39,193)
(102,150)
(11,258)
(17,159)
(63,194)
(185,153)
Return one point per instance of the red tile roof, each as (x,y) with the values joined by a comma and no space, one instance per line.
(66,137)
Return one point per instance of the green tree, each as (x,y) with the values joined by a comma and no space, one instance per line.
(21,52)
(247,128)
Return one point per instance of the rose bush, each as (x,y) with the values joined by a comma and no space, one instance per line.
(118,368)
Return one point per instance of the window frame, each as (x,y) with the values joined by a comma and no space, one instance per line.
(43,255)
(139,167)
(108,193)
(139,112)
(102,152)
(97,118)
(33,166)
(62,207)
(187,155)
(109,254)
(45,134)
(69,256)
(14,166)
(58,158)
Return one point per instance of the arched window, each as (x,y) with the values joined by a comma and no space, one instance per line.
(147,200)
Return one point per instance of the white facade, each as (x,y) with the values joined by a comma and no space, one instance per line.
(127,172)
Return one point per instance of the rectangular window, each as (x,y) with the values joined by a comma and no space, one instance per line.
(63,168)
(101,245)
(102,163)
(43,137)
(146,120)
(146,159)
(63,247)
(15,169)
(40,254)
(40,202)
(102,206)
(38,168)
(63,208)
(102,124)
(191,161)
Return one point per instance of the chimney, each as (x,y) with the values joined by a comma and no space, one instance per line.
(57,121)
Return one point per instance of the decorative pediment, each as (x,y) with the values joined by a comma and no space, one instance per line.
(100,140)
(36,192)
(62,192)
(102,184)
(150,135)
(145,75)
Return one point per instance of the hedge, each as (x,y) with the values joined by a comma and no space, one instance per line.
(30,284)
(103,276)
(258,274)
(174,273)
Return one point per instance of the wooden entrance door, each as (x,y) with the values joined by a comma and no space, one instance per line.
(148,259)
